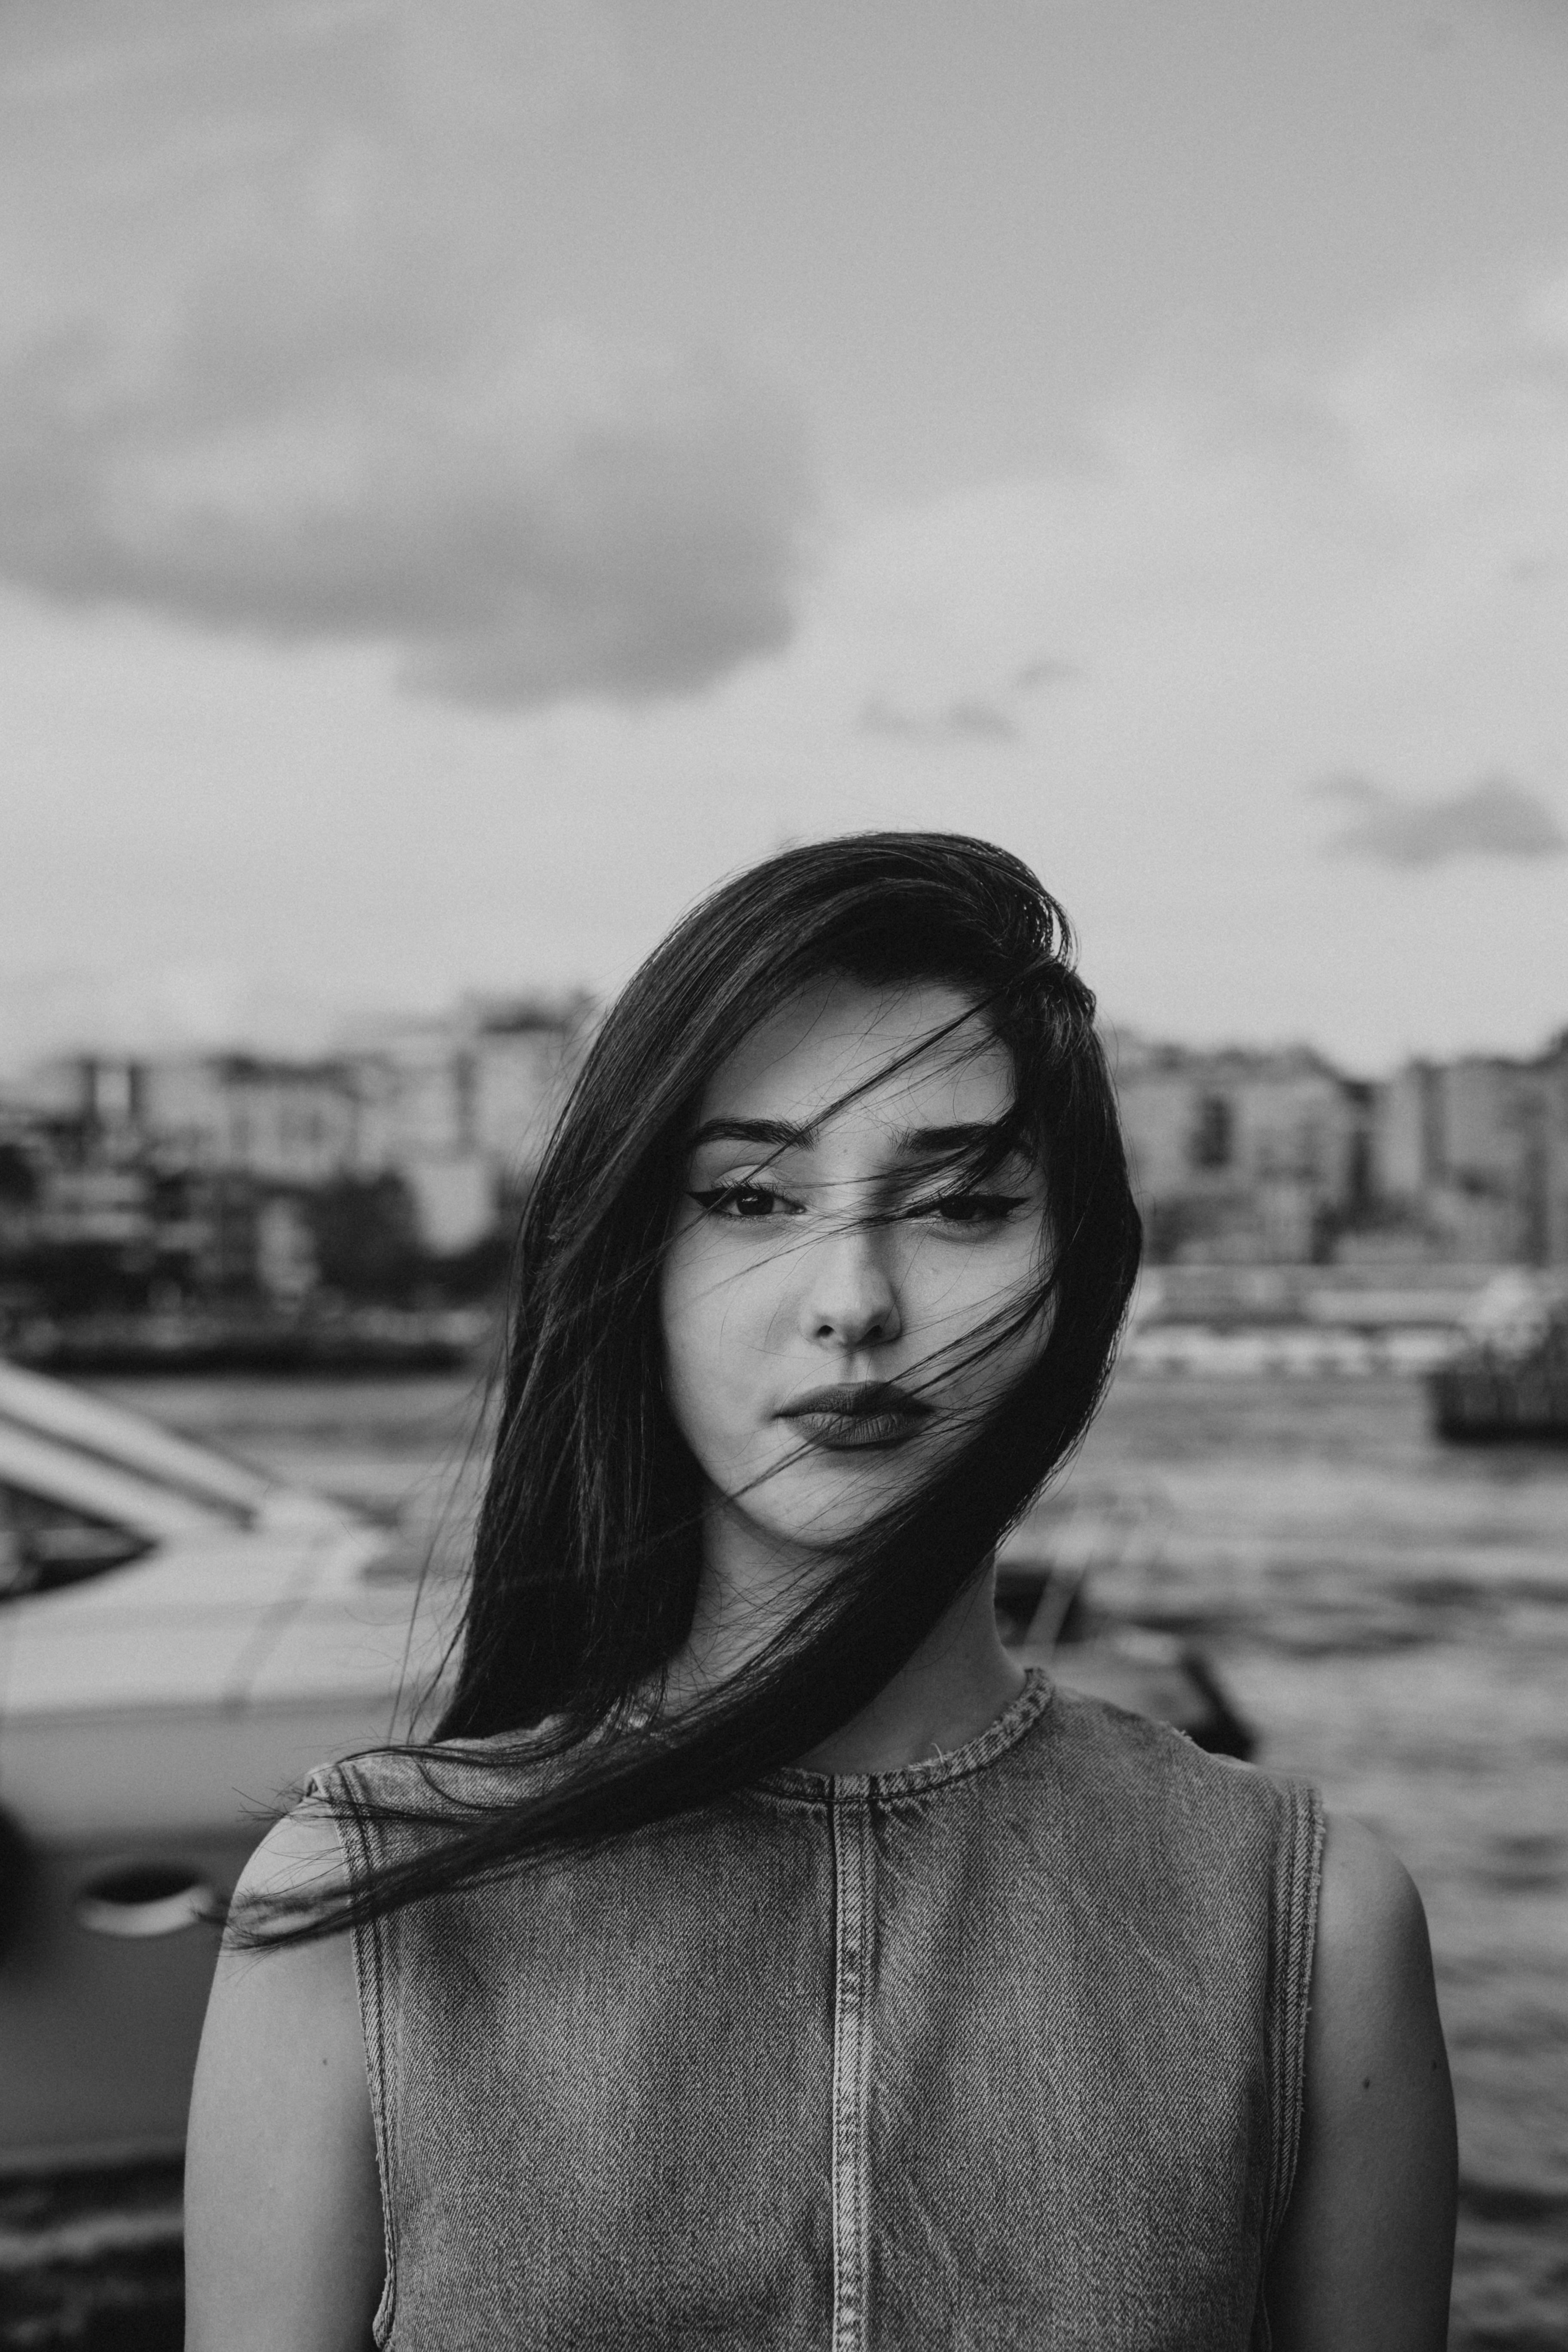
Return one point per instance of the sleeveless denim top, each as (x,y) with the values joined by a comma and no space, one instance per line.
(1002,2049)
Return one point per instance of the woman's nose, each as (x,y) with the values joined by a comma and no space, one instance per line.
(850,1299)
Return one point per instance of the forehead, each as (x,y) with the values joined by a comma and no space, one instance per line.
(840,1035)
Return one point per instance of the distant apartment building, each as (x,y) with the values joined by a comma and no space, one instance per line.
(1240,1154)
(416,1086)
(1475,1151)
(72,1178)
(460,1106)
(230,1174)
(130,1183)
(281,1122)
(106,1207)
(85,1213)
(1554,1067)
(23,1166)
(83,1107)
(523,1054)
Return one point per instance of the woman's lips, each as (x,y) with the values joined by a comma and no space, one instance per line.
(852,1420)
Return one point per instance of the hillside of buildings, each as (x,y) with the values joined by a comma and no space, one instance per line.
(220,1190)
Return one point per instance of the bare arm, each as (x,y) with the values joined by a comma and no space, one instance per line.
(283,2223)
(1364,2256)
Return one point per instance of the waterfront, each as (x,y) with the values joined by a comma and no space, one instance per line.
(1392,1615)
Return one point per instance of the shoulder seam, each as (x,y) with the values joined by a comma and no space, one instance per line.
(1293,1938)
(338,1784)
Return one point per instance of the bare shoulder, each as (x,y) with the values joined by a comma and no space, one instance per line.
(1374,1957)
(1365,2253)
(302,1854)
(299,1994)
(283,2209)
(1369,1906)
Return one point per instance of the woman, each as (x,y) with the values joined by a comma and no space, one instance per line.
(759,1957)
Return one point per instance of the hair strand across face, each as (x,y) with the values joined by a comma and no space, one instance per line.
(587,1551)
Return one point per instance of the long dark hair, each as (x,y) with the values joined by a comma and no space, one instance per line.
(587,1551)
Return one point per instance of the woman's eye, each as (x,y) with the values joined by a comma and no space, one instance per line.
(741,1200)
(971,1208)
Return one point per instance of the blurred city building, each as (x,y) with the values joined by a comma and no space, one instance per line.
(1255,1157)
(1475,1153)
(393,1170)
(390,1169)
(1252,1157)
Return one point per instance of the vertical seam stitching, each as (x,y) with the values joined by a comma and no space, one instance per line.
(836,2160)
(1296,1937)
(865,1858)
(370,1974)
(849,2082)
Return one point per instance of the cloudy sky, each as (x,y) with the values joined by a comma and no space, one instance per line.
(472,474)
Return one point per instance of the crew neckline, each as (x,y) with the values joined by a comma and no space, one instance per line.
(802,1783)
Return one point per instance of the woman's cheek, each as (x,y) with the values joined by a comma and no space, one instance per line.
(716,1330)
(989,1299)
(690,1373)
(962,1285)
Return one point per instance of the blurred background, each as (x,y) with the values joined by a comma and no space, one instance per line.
(472,475)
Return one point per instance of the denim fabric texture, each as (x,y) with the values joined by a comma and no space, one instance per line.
(1002,2049)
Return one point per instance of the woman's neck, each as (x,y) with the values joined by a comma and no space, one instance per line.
(957,1682)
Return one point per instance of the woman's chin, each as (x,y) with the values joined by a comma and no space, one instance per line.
(823,1506)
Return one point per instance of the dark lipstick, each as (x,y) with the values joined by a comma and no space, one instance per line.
(856,1417)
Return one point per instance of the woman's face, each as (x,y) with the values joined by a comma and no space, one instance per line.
(825,1283)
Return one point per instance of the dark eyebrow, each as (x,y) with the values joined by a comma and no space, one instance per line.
(775,1131)
(973,1135)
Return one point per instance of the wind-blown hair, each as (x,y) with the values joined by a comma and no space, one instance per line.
(587,1551)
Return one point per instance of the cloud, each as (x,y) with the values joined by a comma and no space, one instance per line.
(532,524)
(963,721)
(1494,818)
(327,409)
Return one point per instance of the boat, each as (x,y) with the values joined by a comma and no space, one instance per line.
(1509,1379)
